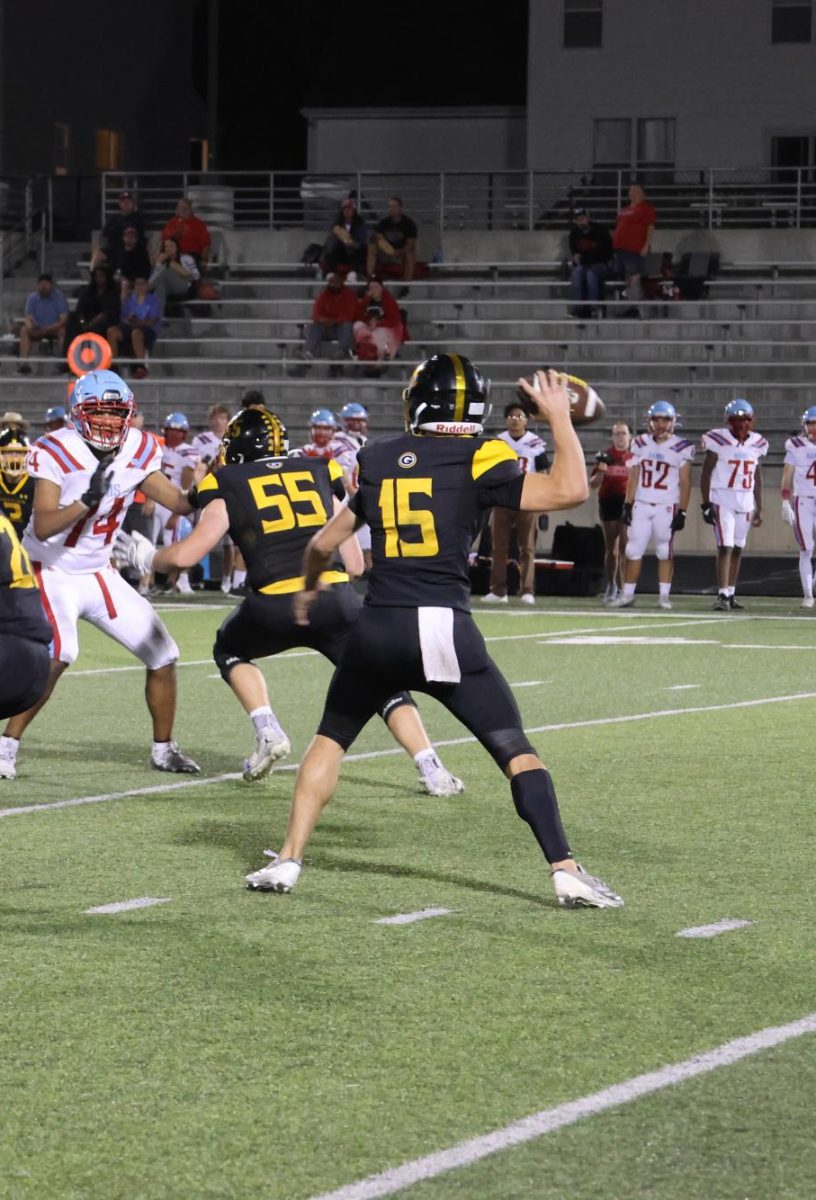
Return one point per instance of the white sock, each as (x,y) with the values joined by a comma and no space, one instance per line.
(426,759)
(729,591)
(806,574)
(263,718)
(629,590)
(238,577)
(160,749)
(665,588)
(9,745)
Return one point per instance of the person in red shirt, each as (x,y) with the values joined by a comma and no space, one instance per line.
(378,327)
(332,319)
(609,477)
(632,241)
(190,232)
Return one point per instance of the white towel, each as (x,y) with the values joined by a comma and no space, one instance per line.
(439,661)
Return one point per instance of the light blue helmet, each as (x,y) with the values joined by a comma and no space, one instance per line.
(738,408)
(102,408)
(322,427)
(354,417)
(809,418)
(176,420)
(322,416)
(739,417)
(54,415)
(662,408)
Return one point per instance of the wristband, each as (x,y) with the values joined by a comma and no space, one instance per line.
(786,493)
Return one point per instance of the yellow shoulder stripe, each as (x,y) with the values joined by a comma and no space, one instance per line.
(490,454)
(208,484)
(335,470)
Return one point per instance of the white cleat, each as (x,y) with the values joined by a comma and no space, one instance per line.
(183,585)
(580,890)
(270,745)
(492,598)
(622,602)
(664,603)
(8,760)
(808,602)
(437,780)
(528,598)
(279,877)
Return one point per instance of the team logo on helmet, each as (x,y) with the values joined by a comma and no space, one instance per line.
(102,408)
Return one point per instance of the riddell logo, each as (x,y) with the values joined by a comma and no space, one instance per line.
(449,427)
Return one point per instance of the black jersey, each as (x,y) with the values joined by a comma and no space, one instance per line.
(21,611)
(425,498)
(274,506)
(16,499)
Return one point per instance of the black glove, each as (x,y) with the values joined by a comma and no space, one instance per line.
(603,456)
(678,521)
(192,497)
(709,515)
(98,484)
(626,514)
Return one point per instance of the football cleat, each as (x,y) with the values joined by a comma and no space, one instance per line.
(527,598)
(623,602)
(173,760)
(734,603)
(492,598)
(721,604)
(8,759)
(808,602)
(279,877)
(580,890)
(270,745)
(664,602)
(437,780)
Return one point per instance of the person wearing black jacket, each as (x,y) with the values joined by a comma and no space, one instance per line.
(590,251)
(98,306)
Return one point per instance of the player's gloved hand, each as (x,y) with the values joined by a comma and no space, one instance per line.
(135,551)
(678,521)
(98,483)
(603,456)
(626,514)
(788,515)
(709,515)
(192,497)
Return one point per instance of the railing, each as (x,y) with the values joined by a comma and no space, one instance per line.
(708,197)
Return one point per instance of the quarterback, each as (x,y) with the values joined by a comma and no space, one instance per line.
(86,475)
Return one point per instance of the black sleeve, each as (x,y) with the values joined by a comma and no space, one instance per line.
(410,229)
(573,241)
(338,488)
(209,489)
(505,493)
(605,245)
(542,461)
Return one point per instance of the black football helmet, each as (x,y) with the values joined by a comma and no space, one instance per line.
(13,450)
(255,433)
(447,394)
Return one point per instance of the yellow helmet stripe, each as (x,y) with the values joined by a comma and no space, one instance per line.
(461,388)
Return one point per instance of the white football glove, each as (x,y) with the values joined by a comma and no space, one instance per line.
(135,551)
(788,515)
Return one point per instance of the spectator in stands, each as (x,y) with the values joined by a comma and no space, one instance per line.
(393,243)
(46,315)
(505,522)
(346,246)
(55,418)
(378,326)
(632,241)
(590,252)
(98,306)
(190,232)
(610,476)
(14,420)
(131,261)
(333,314)
(113,231)
(174,273)
(140,326)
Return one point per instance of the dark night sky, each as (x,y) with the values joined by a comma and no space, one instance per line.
(276,58)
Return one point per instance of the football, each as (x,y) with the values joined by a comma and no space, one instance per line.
(586,405)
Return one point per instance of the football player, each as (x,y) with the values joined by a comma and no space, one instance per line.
(16,485)
(55,418)
(731,490)
(657,496)
(322,431)
(25,634)
(346,445)
(179,460)
(799,482)
(86,475)
(270,504)
(532,456)
(424,494)
(207,446)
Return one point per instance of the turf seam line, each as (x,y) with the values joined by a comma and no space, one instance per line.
(713,930)
(410,918)
(386,1183)
(22,810)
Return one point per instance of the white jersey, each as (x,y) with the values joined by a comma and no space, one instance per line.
(345,448)
(176,458)
(529,448)
(63,457)
(206,445)
(312,450)
(734,475)
(800,453)
(658,465)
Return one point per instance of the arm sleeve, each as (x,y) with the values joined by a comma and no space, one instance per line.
(410,228)
(496,471)
(209,490)
(337,479)
(29,305)
(542,461)
(62,303)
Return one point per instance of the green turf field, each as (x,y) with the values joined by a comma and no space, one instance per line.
(228,1044)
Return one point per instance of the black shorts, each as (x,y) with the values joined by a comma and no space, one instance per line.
(263,625)
(24,668)
(610,508)
(384,655)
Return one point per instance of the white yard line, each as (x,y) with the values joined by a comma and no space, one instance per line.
(538,1124)
(682,687)
(127,905)
(368,754)
(760,646)
(410,918)
(710,931)
(193,662)
(530,683)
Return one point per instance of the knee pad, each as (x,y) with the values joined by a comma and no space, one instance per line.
(397,701)
(226,661)
(505,744)
(662,551)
